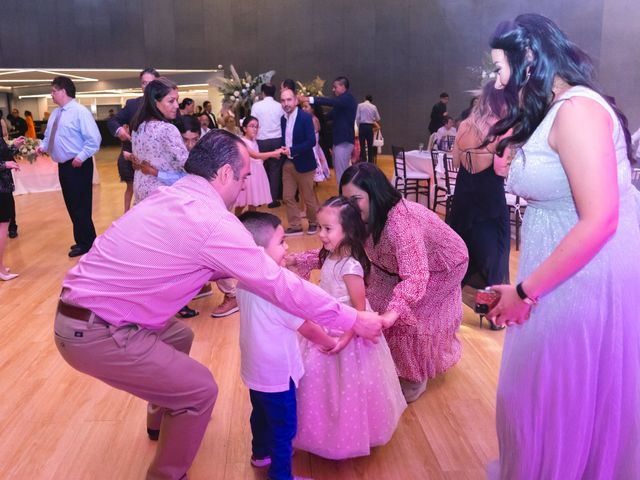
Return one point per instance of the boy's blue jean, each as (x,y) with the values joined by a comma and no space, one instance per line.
(273,426)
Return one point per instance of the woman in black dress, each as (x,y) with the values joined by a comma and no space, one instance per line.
(7,205)
(479,213)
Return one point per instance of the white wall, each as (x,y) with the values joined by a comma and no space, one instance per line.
(37,106)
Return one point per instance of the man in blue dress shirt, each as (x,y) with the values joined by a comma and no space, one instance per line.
(71,140)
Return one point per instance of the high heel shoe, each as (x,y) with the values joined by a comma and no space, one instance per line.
(412,390)
(492,325)
(7,276)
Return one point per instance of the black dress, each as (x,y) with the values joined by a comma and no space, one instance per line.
(479,214)
(7,205)
(125,167)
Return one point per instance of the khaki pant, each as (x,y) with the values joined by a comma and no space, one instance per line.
(227,286)
(293,180)
(341,159)
(153,365)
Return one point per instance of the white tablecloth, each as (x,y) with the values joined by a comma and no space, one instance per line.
(41,176)
(418,161)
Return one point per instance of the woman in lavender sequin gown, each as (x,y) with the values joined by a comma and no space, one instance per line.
(568,403)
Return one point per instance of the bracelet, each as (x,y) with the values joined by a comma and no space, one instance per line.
(523,296)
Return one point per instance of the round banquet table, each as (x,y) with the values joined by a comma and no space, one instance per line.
(41,176)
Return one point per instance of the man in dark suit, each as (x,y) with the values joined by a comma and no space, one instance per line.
(343,115)
(298,138)
(213,123)
(439,113)
(119,127)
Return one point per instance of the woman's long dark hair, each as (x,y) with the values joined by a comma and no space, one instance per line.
(490,107)
(155,91)
(355,232)
(382,196)
(537,51)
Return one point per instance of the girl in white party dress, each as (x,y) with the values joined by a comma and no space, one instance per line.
(256,191)
(350,401)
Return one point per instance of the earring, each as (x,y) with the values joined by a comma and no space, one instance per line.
(526,78)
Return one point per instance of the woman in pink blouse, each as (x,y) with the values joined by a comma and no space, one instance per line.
(418,263)
(154,139)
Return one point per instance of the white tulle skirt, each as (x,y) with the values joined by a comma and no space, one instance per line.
(256,191)
(349,402)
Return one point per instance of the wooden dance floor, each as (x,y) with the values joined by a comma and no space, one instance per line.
(57,423)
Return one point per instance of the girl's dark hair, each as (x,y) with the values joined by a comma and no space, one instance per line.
(184,103)
(355,232)
(155,91)
(27,113)
(189,123)
(537,51)
(382,196)
(246,121)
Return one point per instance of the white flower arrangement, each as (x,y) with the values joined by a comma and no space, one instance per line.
(27,150)
(240,93)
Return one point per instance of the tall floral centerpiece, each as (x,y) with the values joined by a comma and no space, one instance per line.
(241,92)
(313,88)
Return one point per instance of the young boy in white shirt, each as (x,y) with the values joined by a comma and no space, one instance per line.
(271,365)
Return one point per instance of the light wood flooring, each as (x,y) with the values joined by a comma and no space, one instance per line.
(56,423)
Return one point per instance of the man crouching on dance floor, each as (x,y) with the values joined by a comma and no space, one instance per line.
(115,319)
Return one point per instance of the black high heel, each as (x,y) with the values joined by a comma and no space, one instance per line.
(492,324)
(186,312)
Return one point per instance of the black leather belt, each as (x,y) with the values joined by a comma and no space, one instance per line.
(71,311)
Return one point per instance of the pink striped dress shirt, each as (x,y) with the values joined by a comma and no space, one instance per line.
(156,257)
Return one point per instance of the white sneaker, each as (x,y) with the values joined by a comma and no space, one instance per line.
(8,276)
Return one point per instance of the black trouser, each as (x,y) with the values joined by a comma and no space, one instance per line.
(273,166)
(365,134)
(77,190)
(13,226)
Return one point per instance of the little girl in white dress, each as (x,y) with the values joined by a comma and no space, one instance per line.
(349,401)
(256,191)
